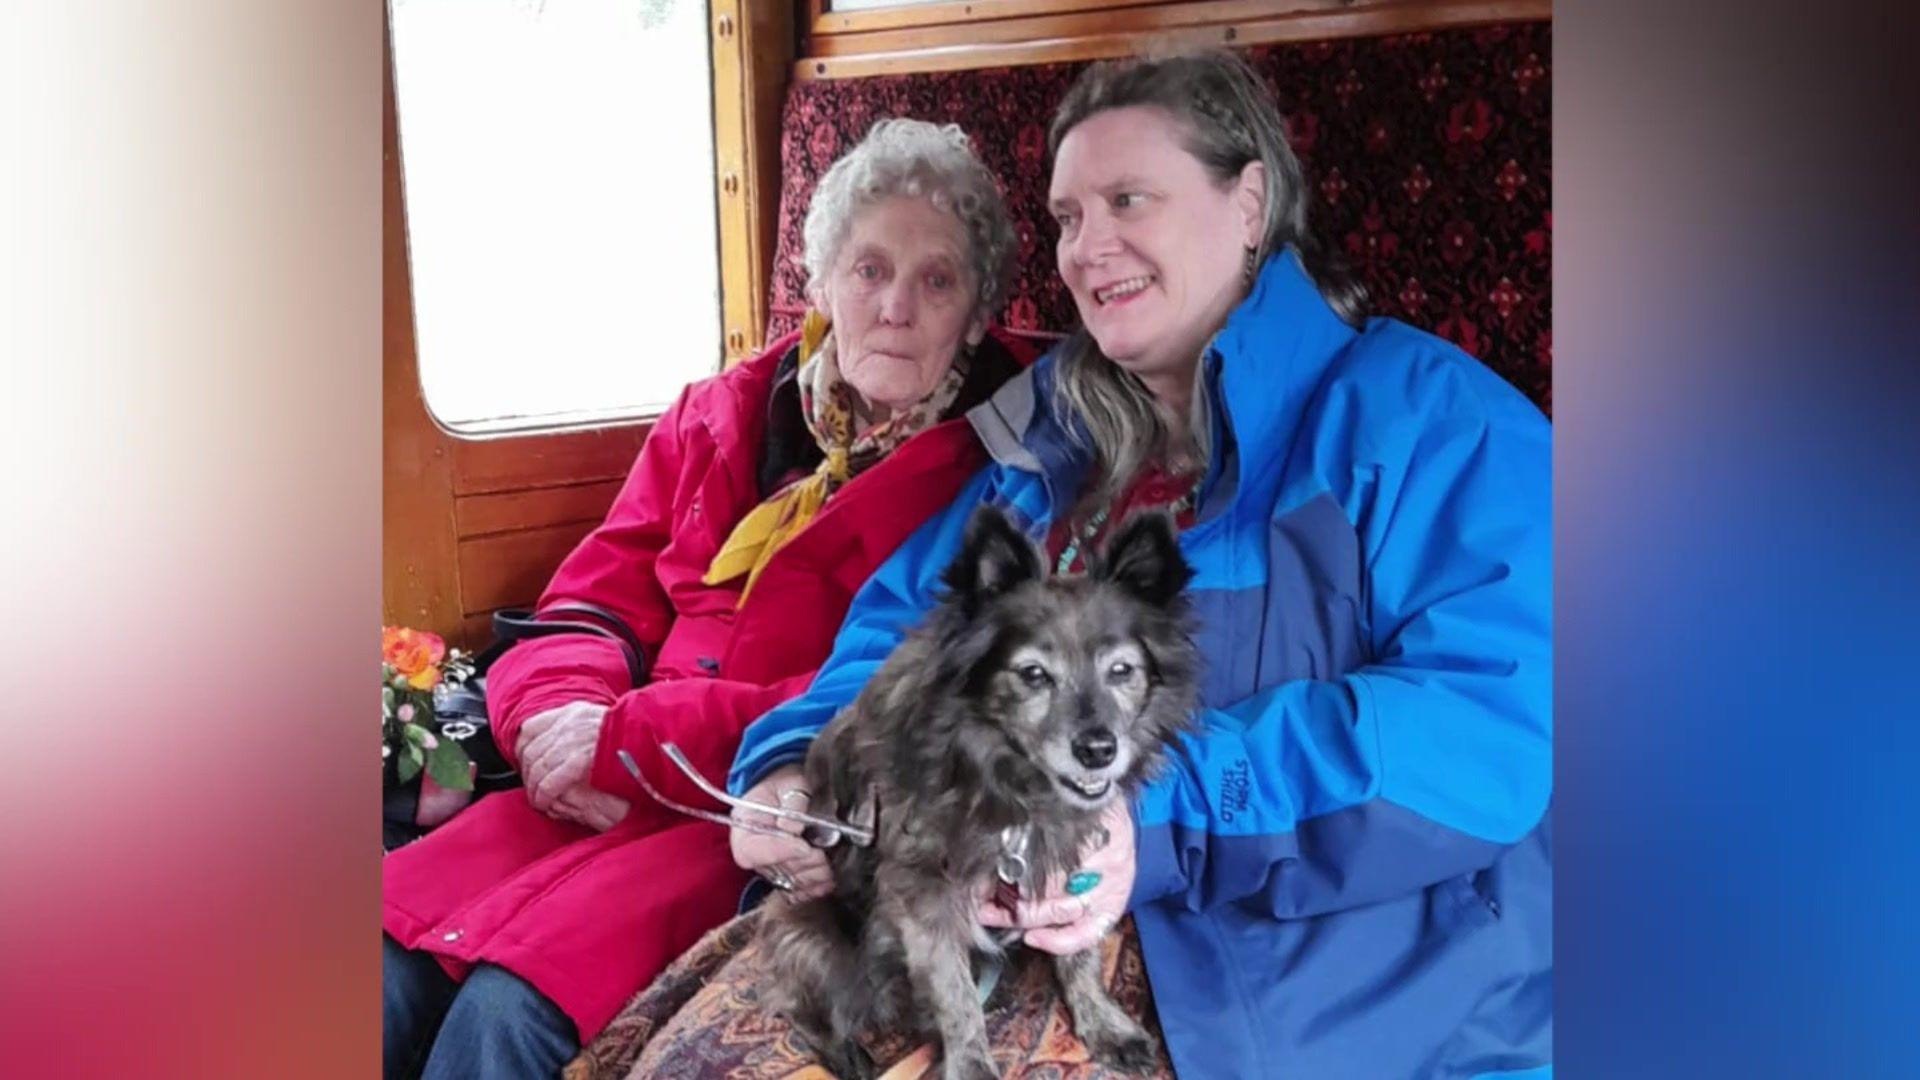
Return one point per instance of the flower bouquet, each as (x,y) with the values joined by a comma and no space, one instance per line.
(417,669)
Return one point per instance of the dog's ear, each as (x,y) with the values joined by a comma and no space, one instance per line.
(1144,559)
(994,558)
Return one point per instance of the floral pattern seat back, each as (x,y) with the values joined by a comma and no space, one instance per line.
(1430,155)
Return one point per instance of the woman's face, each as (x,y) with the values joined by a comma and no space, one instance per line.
(901,298)
(1152,247)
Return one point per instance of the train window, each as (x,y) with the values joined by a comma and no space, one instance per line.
(561,223)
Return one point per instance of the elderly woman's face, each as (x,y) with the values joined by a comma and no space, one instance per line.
(901,298)
(1151,246)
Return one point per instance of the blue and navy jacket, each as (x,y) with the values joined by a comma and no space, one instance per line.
(1347,873)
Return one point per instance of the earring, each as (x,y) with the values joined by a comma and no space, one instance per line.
(1251,265)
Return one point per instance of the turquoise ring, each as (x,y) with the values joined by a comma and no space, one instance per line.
(1082,882)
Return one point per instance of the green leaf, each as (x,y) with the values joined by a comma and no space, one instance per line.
(387,702)
(417,735)
(409,766)
(447,763)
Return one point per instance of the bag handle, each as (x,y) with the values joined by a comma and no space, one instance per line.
(513,625)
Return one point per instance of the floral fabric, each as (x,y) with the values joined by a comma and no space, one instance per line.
(1430,156)
(704,1017)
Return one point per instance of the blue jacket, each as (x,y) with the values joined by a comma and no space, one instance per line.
(1347,874)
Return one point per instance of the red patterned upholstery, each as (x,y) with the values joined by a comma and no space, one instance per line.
(1430,155)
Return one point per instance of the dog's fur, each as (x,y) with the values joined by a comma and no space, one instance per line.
(966,730)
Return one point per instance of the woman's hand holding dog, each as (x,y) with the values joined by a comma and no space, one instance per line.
(1061,924)
(789,862)
(556,758)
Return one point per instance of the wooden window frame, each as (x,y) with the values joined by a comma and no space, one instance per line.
(753,50)
(823,22)
(473,523)
(969,34)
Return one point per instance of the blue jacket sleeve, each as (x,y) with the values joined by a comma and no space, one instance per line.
(889,605)
(1428,761)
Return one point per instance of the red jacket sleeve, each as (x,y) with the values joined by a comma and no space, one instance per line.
(703,717)
(612,568)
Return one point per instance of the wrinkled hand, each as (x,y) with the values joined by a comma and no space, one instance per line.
(1057,923)
(781,858)
(555,749)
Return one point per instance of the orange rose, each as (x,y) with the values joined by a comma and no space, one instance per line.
(413,653)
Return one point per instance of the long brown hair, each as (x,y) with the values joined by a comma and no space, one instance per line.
(1228,119)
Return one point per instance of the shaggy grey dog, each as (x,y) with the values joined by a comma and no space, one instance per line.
(1008,720)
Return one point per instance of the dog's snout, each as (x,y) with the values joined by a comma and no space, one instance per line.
(1095,748)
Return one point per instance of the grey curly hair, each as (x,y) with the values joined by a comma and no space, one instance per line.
(915,158)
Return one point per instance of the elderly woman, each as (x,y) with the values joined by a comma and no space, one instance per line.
(1346,873)
(759,504)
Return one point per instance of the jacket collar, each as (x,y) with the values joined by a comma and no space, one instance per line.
(1264,367)
(789,446)
(1261,369)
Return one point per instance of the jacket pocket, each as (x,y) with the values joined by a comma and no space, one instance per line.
(1469,894)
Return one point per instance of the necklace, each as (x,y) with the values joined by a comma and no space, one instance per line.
(1084,535)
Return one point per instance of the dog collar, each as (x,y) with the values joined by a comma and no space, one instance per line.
(1012,867)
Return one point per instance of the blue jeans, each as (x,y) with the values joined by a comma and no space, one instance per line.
(494,1026)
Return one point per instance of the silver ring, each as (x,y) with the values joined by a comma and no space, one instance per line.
(782,797)
(778,878)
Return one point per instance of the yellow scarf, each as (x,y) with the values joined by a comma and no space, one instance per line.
(829,407)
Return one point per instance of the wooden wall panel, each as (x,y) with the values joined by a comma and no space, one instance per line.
(482,466)
(486,515)
(510,569)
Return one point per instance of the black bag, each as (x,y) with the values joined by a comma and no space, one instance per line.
(468,703)
(463,708)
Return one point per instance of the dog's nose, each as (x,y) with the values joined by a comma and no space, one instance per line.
(1095,749)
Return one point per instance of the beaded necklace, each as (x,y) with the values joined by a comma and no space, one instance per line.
(1083,535)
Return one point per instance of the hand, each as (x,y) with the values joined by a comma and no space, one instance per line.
(1060,924)
(779,858)
(555,749)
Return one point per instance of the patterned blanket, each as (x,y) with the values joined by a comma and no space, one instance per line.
(704,1017)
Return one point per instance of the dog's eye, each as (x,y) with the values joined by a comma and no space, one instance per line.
(1033,675)
(1119,670)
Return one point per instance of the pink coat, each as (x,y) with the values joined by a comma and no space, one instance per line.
(590,918)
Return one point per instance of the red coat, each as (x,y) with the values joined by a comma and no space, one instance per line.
(589,918)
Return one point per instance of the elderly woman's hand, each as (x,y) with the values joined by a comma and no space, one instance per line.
(1058,923)
(555,749)
(791,863)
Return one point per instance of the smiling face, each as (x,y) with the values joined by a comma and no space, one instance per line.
(901,299)
(1152,246)
(1073,698)
(1072,686)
